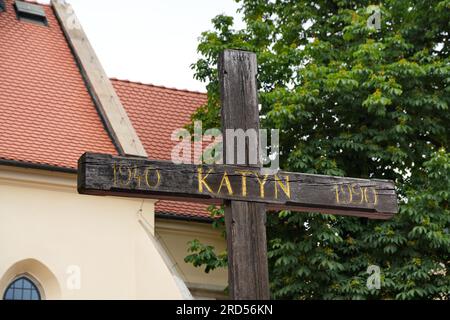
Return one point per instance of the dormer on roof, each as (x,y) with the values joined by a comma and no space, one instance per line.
(47,116)
(30,12)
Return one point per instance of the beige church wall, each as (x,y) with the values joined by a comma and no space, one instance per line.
(50,233)
(174,236)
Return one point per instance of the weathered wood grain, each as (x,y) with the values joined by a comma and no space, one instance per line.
(103,174)
(248,275)
(245,222)
(246,190)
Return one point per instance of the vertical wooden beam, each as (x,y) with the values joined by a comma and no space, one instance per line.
(245,221)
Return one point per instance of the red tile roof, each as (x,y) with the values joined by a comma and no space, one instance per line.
(46,113)
(48,117)
(156,112)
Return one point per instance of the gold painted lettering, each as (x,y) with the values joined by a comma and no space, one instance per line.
(375,195)
(359,193)
(227,183)
(244,181)
(147,178)
(350,195)
(118,172)
(286,188)
(137,175)
(202,180)
(338,200)
(261,184)
(114,174)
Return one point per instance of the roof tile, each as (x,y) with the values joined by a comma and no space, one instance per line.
(156,112)
(48,117)
(47,114)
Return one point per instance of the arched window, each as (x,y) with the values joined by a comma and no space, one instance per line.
(22,288)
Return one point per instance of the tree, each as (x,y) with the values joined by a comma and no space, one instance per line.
(350,100)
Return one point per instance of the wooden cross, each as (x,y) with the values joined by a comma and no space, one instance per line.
(246,191)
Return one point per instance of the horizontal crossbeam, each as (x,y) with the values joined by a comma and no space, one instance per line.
(102,174)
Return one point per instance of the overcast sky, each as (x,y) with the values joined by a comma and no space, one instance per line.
(151,41)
